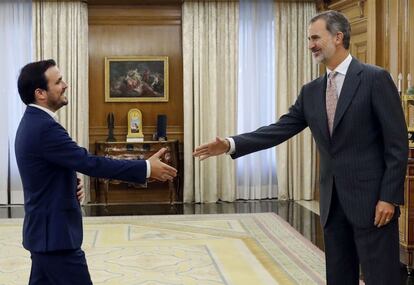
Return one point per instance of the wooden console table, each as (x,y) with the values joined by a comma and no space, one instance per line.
(138,150)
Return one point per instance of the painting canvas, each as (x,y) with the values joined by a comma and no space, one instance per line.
(136,79)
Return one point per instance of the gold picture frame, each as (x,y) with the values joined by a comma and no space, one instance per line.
(136,79)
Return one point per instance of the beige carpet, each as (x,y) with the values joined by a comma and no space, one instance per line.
(237,249)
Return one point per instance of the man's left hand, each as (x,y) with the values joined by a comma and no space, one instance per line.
(80,193)
(384,212)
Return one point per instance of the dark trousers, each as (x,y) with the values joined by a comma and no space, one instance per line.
(65,267)
(346,246)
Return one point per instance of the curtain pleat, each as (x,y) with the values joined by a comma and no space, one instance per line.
(61,33)
(210,30)
(256,172)
(15,52)
(296,158)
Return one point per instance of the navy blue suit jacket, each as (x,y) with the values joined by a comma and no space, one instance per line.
(48,160)
(366,157)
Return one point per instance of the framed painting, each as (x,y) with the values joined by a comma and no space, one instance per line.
(136,79)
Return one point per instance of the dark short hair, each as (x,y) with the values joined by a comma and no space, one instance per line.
(335,22)
(32,76)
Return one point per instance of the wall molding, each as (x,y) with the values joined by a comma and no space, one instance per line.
(123,130)
(130,15)
(132,20)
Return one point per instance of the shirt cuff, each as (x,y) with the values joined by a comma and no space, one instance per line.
(148,168)
(232,146)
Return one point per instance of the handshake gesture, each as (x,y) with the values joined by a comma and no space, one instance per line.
(214,148)
(160,170)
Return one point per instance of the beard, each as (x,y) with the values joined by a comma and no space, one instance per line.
(323,55)
(319,58)
(56,104)
(65,100)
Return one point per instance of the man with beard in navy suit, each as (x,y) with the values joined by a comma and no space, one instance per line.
(48,160)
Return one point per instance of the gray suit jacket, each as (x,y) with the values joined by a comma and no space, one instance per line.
(366,157)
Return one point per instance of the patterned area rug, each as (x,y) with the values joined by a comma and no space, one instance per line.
(190,249)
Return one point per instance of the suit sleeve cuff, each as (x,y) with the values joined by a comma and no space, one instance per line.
(232,146)
(148,168)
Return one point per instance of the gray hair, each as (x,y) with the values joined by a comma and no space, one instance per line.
(335,22)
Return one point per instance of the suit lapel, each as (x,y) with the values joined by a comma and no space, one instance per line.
(321,107)
(349,88)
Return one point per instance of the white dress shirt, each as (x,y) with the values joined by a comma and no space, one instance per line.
(341,69)
(49,112)
(55,117)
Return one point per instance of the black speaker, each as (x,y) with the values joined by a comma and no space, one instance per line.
(162,127)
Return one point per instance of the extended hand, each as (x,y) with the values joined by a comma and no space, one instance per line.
(80,193)
(384,212)
(217,147)
(160,170)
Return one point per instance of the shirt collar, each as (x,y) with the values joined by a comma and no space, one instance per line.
(52,114)
(342,68)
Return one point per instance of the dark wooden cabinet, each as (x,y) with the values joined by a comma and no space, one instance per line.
(406,221)
(407,217)
(111,190)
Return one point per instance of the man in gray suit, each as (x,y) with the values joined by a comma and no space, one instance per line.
(356,119)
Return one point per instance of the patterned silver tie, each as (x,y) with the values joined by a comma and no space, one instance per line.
(331,99)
